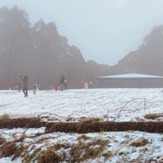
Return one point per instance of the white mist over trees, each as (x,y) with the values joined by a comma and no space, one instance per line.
(37,51)
(41,53)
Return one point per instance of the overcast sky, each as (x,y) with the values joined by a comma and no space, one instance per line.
(104,30)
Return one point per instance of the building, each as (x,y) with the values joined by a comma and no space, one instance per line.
(131,81)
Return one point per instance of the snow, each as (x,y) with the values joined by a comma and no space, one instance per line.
(116,104)
(109,104)
(133,75)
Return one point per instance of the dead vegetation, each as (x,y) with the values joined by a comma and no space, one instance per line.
(90,119)
(139,142)
(2,140)
(50,155)
(84,149)
(6,122)
(153,116)
(86,127)
(5,117)
(90,150)
(8,149)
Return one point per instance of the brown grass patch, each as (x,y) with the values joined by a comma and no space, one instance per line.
(140,142)
(83,151)
(153,116)
(5,117)
(90,119)
(85,127)
(21,122)
(2,140)
(83,137)
(8,149)
(49,156)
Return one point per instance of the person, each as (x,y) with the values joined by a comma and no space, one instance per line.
(86,85)
(19,85)
(57,87)
(62,83)
(25,85)
(91,83)
(66,85)
(35,88)
(82,83)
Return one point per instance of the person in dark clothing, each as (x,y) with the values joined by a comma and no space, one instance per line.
(62,83)
(25,85)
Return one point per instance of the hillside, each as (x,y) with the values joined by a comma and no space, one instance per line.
(41,53)
(148,58)
(37,51)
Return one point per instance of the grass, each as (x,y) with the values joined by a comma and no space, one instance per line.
(2,140)
(8,149)
(139,142)
(5,117)
(49,156)
(153,116)
(90,150)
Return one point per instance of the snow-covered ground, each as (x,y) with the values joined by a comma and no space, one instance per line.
(116,104)
(108,104)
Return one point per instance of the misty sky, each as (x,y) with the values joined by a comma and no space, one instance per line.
(104,30)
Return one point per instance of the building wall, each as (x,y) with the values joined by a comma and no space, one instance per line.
(130,82)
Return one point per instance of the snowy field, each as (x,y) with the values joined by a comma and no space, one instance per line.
(115,104)
(107,104)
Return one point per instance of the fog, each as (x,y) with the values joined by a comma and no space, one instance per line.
(104,31)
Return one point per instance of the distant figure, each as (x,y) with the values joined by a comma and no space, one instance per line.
(66,84)
(57,87)
(35,88)
(86,85)
(25,80)
(19,85)
(91,83)
(82,83)
(62,83)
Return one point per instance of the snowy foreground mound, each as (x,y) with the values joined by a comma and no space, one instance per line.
(33,145)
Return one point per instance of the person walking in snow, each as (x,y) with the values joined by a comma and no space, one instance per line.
(35,88)
(19,85)
(86,85)
(91,83)
(25,80)
(62,83)
(57,87)
(66,85)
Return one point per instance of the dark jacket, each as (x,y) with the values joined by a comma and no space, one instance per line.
(25,81)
